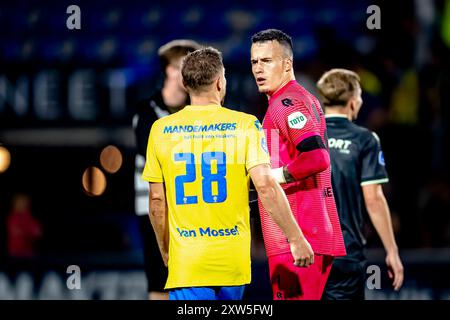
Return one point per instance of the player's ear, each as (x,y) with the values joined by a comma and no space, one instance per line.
(352,106)
(219,84)
(288,65)
(184,85)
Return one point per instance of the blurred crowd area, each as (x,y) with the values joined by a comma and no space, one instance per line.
(66,94)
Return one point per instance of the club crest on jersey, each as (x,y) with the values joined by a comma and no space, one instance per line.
(258,125)
(297,120)
(381,158)
(264,145)
(287,102)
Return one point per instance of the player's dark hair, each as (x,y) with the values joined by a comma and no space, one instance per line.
(277,35)
(337,86)
(174,50)
(201,67)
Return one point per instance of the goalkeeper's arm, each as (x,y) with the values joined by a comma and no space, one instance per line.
(313,158)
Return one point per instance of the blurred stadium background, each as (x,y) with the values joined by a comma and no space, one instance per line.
(66,95)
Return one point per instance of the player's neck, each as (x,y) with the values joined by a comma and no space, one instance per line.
(338,111)
(205,100)
(288,79)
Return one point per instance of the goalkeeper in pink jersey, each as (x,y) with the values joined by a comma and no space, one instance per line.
(296,138)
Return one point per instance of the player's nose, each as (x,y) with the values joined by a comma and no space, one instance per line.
(257,68)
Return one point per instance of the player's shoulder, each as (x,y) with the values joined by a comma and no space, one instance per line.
(142,108)
(239,115)
(161,122)
(366,135)
(145,103)
(300,93)
(234,112)
(294,97)
(151,108)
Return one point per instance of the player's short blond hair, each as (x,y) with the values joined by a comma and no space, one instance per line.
(176,49)
(337,86)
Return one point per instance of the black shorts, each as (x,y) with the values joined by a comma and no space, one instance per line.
(347,280)
(155,270)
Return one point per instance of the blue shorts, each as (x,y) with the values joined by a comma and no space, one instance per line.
(207,293)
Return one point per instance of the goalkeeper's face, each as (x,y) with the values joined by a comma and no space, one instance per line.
(270,66)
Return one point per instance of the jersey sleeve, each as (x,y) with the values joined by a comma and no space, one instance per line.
(373,169)
(297,121)
(152,169)
(256,144)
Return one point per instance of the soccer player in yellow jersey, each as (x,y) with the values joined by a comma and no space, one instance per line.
(199,164)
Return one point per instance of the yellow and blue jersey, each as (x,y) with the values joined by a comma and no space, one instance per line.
(203,154)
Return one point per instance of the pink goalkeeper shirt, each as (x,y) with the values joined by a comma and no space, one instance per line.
(293,115)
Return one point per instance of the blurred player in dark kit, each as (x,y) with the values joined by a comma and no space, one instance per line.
(358,172)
